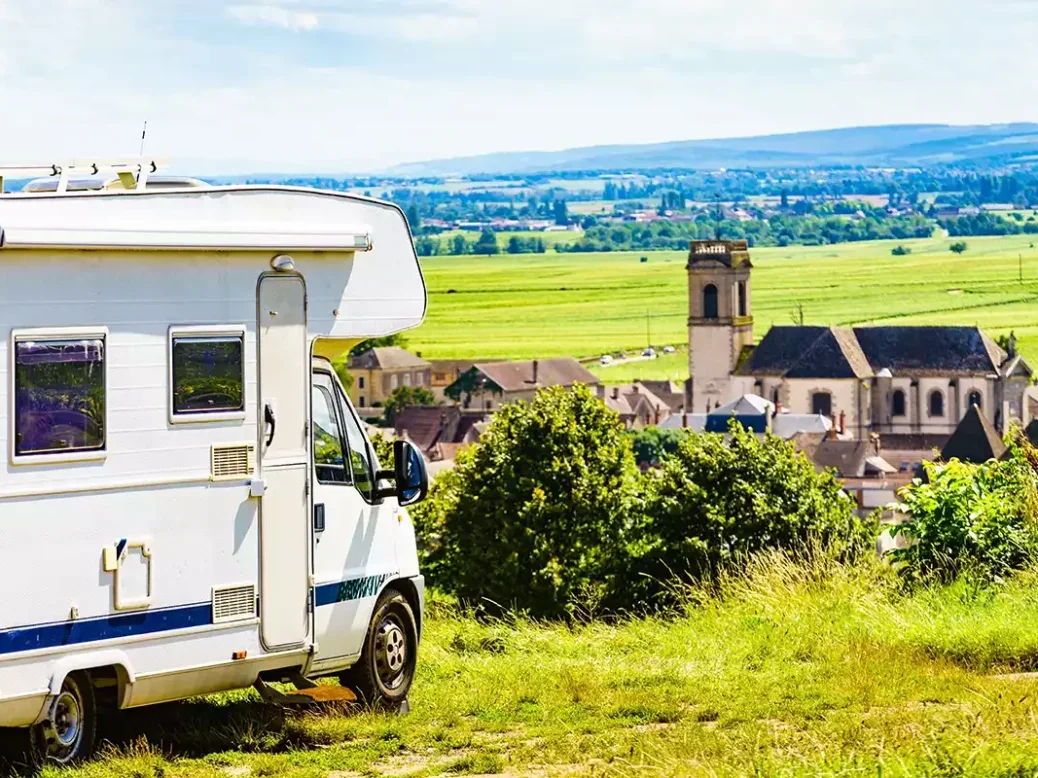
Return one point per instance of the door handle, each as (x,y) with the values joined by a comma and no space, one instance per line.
(268,418)
(319,517)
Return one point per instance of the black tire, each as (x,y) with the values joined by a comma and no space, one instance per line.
(69,734)
(384,673)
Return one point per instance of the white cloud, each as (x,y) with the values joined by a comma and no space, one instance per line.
(274,15)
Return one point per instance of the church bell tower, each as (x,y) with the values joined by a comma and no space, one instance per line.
(720,320)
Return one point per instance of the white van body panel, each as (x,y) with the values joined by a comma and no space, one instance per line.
(139,268)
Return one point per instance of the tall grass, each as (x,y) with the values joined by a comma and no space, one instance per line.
(789,667)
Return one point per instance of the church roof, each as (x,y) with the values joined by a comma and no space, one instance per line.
(861,352)
(974,440)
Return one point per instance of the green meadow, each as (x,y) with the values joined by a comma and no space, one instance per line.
(798,669)
(584,305)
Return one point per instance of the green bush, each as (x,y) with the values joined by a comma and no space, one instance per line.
(536,515)
(720,499)
(970,519)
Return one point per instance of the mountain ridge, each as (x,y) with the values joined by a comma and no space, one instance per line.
(900,145)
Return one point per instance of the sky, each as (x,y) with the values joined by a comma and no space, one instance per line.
(335,86)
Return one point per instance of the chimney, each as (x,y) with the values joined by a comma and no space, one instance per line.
(535,371)
(833,427)
(843,423)
(778,407)
(616,392)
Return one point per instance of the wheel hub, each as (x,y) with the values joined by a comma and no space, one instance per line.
(65,726)
(390,650)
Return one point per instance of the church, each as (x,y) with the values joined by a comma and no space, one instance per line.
(910,382)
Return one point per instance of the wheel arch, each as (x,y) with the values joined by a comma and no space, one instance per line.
(407,588)
(98,663)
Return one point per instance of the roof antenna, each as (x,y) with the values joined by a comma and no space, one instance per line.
(144,132)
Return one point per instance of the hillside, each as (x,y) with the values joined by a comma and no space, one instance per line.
(907,145)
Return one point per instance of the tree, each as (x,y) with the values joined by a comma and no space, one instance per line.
(720,498)
(900,251)
(536,514)
(784,200)
(413,221)
(560,212)
(459,245)
(405,397)
(487,243)
(959,246)
(515,245)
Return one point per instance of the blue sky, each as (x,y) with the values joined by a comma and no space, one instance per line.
(350,85)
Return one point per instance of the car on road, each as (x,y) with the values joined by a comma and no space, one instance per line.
(668,349)
(606,359)
(650,352)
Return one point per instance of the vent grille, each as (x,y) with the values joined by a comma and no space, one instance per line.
(232,603)
(234,461)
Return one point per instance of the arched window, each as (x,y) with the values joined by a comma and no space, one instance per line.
(822,403)
(742,298)
(975,399)
(897,403)
(936,403)
(710,302)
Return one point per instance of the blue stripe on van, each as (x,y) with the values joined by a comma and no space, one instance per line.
(352,589)
(120,625)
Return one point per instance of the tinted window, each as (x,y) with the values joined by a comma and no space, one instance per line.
(59,403)
(329,462)
(208,375)
(361,461)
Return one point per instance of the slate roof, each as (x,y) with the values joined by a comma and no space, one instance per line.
(386,358)
(974,440)
(519,376)
(430,427)
(861,352)
(921,351)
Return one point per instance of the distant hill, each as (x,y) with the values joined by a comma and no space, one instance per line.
(900,145)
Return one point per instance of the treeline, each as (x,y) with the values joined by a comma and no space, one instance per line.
(486,244)
(777,231)
(989,224)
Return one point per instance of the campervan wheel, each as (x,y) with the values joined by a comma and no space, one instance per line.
(70,729)
(384,673)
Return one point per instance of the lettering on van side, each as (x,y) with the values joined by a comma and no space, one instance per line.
(352,589)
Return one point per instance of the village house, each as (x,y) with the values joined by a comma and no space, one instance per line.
(488,385)
(380,370)
(444,373)
(439,432)
(910,382)
(637,405)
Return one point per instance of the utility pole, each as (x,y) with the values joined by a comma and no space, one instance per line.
(648,335)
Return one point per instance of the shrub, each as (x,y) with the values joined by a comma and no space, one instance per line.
(959,246)
(973,519)
(900,251)
(536,514)
(719,499)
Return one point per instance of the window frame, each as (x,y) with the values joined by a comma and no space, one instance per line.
(55,334)
(821,393)
(929,404)
(332,395)
(202,331)
(893,404)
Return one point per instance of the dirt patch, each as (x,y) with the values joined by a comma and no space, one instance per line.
(405,764)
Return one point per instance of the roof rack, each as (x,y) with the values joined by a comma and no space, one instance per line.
(132,171)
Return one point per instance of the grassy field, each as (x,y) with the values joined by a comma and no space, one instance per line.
(810,670)
(588,304)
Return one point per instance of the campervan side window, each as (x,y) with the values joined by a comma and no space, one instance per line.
(207,375)
(59,396)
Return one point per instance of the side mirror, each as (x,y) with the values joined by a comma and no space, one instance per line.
(410,474)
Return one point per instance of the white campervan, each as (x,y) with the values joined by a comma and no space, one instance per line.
(188,501)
